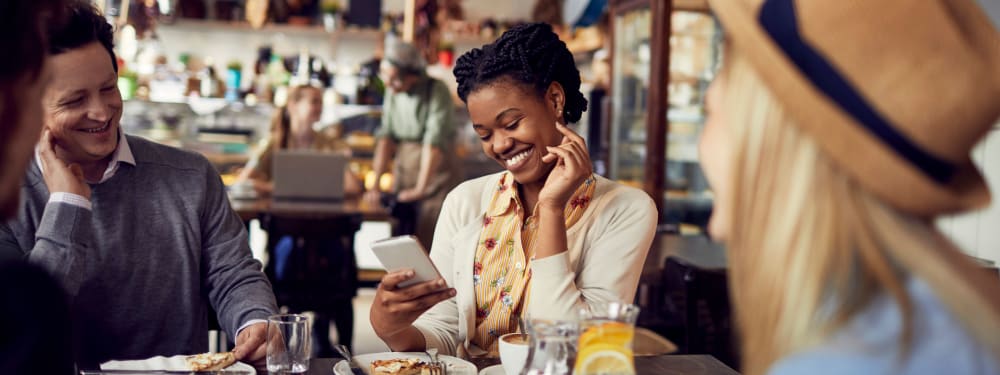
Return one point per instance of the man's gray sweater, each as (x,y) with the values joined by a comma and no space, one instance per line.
(141,269)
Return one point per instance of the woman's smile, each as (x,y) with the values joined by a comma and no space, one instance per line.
(518,161)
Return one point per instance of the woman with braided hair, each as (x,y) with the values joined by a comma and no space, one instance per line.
(546,237)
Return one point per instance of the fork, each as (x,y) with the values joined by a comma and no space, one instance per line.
(344,352)
(436,367)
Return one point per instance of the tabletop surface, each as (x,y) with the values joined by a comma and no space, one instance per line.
(252,208)
(655,365)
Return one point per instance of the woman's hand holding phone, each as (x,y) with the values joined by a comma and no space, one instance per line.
(395,308)
(60,176)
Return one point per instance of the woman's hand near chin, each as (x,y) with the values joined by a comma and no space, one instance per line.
(573,167)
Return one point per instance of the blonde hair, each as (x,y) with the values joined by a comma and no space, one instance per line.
(809,248)
(281,122)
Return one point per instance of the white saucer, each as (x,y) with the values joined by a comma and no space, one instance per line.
(493,370)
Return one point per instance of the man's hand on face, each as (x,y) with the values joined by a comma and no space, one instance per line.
(251,345)
(60,176)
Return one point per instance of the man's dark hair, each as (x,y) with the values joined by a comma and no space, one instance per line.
(530,54)
(84,25)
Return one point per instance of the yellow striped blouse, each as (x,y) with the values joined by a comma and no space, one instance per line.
(502,270)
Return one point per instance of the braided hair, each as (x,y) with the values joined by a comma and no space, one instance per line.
(530,54)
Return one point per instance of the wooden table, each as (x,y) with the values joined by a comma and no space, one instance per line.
(260,208)
(320,273)
(249,209)
(655,365)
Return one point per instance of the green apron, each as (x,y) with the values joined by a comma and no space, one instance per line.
(448,174)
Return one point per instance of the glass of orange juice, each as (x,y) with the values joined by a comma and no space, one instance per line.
(605,345)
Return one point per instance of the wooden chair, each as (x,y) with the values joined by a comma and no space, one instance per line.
(700,298)
(649,343)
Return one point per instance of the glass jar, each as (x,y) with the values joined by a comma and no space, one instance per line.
(606,335)
(553,347)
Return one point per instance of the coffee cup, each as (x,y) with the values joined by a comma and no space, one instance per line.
(513,352)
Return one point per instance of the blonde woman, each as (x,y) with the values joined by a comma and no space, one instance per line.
(291,129)
(837,132)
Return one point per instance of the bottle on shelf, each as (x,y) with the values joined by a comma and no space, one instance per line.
(261,84)
(193,79)
(210,83)
(302,69)
(234,78)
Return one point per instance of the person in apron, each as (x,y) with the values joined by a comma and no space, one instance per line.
(416,134)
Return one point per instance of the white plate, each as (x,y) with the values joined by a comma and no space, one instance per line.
(456,366)
(493,370)
(175,363)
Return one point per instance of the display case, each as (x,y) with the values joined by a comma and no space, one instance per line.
(630,90)
(664,56)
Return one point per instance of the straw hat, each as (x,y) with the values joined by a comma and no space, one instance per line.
(897,92)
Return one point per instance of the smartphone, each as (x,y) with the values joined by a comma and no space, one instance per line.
(401,252)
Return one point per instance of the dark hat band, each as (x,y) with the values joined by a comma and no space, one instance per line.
(777,17)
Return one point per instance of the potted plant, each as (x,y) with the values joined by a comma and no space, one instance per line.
(331,14)
(128,82)
(446,53)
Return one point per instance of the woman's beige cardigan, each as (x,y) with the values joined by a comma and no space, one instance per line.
(607,249)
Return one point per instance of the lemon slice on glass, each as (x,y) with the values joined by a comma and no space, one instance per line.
(604,362)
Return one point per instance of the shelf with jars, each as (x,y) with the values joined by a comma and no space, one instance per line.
(268,28)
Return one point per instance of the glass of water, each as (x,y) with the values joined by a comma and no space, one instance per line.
(288,346)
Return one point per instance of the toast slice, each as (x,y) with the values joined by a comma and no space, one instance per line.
(210,361)
(399,366)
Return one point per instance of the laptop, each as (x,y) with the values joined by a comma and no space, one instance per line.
(308,176)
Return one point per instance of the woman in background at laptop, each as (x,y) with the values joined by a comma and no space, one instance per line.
(546,237)
(292,129)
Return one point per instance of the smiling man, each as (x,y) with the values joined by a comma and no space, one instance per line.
(140,235)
